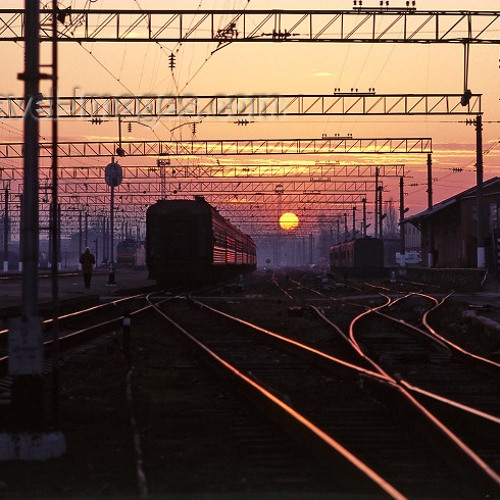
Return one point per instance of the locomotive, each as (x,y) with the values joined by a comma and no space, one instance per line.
(130,253)
(189,243)
(363,257)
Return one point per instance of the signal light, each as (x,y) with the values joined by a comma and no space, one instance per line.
(466,97)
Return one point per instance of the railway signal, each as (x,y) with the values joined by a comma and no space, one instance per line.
(113,178)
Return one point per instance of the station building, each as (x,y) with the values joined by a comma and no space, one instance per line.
(449,229)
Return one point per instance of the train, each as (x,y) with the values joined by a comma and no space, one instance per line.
(131,253)
(362,257)
(189,243)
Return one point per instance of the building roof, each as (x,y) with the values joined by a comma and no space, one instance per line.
(450,201)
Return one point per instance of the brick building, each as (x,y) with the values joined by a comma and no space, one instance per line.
(449,229)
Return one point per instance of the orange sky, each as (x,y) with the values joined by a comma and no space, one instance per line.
(293,68)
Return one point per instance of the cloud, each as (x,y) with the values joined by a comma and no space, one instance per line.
(322,73)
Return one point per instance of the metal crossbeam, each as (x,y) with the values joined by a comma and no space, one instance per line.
(223,186)
(243,106)
(318,172)
(340,145)
(311,211)
(128,200)
(258,199)
(324,172)
(370,25)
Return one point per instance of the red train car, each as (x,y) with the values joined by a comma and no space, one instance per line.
(130,253)
(363,257)
(189,242)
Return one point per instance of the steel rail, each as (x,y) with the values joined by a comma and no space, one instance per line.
(452,345)
(402,382)
(465,451)
(70,338)
(293,414)
(411,387)
(62,317)
(286,340)
(406,389)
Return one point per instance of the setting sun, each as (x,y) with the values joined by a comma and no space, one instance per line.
(289,221)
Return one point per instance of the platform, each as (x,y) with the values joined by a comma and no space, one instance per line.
(70,284)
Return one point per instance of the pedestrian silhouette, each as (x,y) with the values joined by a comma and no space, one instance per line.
(87,260)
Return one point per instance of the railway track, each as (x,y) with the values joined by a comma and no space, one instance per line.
(313,411)
(79,331)
(426,359)
(362,411)
(459,387)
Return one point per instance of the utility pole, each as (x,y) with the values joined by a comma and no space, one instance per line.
(376,201)
(311,241)
(6,232)
(279,190)
(80,250)
(27,389)
(86,233)
(55,229)
(430,234)
(28,440)
(364,218)
(162,170)
(58,253)
(481,252)
(354,223)
(402,248)
(380,214)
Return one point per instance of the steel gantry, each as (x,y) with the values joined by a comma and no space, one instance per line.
(129,199)
(363,24)
(225,186)
(242,106)
(319,171)
(339,145)
(206,173)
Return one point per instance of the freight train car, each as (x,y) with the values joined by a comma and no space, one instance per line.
(362,257)
(189,243)
(130,253)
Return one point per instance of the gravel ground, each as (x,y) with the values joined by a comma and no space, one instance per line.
(187,453)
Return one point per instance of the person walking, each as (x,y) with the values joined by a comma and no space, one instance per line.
(87,260)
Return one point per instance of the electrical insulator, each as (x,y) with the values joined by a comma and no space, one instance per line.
(194,128)
(129,127)
(171,61)
(96,121)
